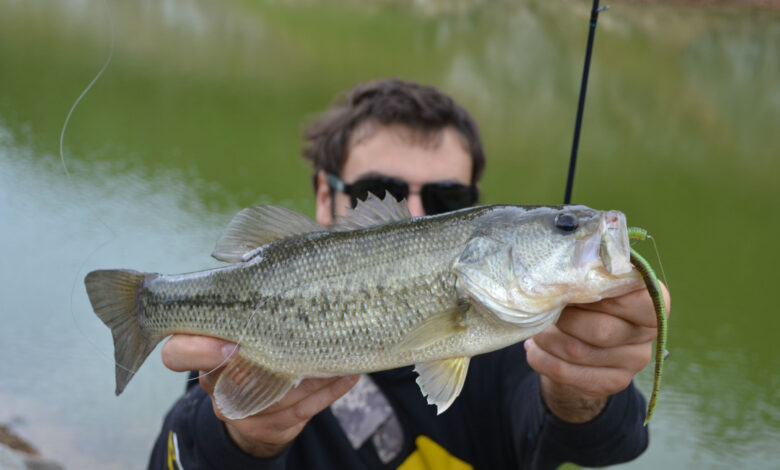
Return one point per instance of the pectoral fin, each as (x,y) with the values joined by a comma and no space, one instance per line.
(245,388)
(436,328)
(442,380)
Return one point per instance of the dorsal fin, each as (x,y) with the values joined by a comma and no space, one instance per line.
(372,211)
(256,226)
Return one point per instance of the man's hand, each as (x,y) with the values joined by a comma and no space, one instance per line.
(264,434)
(592,352)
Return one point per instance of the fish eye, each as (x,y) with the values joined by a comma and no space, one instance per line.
(567,222)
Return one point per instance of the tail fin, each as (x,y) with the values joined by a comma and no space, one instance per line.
(114,297)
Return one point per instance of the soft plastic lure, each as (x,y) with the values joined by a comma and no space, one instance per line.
(654,288)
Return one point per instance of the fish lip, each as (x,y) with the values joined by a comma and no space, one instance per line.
(606,248)
(615,247)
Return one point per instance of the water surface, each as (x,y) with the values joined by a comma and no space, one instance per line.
(200,112)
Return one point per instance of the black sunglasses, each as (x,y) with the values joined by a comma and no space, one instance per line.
(436,197)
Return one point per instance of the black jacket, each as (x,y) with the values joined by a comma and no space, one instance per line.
(499,421)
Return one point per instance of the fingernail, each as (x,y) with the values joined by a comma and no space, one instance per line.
(229,349)
(527,343)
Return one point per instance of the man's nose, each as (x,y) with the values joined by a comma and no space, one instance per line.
(414,202)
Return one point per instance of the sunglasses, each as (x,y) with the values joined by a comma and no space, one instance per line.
(436,197)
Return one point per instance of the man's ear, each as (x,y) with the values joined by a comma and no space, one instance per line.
(322,198)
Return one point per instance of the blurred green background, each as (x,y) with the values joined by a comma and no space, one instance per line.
(200,111)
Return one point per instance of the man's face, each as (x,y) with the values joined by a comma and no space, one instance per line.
(389,151)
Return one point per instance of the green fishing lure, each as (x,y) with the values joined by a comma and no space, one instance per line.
(654,288)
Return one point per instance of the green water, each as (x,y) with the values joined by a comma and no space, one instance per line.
(200,111)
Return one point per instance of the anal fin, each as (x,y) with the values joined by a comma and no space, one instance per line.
(245,388)
(442,380)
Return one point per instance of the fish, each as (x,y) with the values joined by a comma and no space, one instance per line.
(378,290)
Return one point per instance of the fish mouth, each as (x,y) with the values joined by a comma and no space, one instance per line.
(586,251)
(606,247)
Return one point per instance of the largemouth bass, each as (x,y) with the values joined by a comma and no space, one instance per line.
(377,291)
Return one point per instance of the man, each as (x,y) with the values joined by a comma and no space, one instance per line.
(565,395)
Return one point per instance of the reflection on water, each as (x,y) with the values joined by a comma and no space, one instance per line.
(57,365)
(711,417)
(200,113)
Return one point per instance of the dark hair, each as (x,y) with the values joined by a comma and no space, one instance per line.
(423,109)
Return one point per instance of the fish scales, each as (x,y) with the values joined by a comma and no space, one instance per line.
(379,291)
(321,304)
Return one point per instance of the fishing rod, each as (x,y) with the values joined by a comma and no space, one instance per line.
(594,16)
(648,275)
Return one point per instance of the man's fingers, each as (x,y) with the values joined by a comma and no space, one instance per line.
(182,352)
(304,409)
(323,398)
(600,329)
(305,389)
(279,426)
(570,349)
(635,307)
(313,392)
(592,381)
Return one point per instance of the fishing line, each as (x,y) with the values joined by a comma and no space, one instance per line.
(657,255)
(68,175)
(83,93)
(660,264)
(663,275)
(112,237)
(224,361)
(235,346)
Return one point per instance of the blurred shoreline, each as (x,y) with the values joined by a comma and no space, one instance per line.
(13,441)
(773,4)
(17,453)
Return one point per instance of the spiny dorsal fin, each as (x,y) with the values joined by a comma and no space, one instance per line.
(245,388)
(257,226)
(442,380)
(372,211)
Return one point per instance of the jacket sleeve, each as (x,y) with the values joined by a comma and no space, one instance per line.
(193,438)
(542,441)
